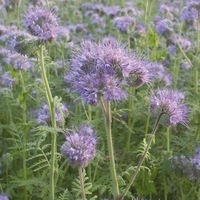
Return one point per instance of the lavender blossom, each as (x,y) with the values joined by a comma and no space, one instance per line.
(189,16)
(169,102)
(104,69)
(3,197)
(170,10)
(164,28)
(172,50)
(111,11)
(140,29)
(7,80)
(123,23)
(190,166)
(19,62)
(80,146)
(43,115)
(41,23)
(97,71)
(158,72)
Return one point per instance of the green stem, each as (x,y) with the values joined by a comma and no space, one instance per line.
(176,73)
(142,158)
(47,3)
(24,135)
(165,188)
(184,54)
(53,120)
(82,183)
(130,118)
(147,124)
(108,122)
(146,11)
(198,36)
(168,139)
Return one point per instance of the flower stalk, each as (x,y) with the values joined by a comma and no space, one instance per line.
(108,121)
(53,120)
(142,159)
(83,195)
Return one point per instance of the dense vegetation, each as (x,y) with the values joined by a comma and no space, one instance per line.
(99,100)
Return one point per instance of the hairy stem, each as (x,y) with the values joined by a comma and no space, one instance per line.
(168,139)
(53,120)
(24,135)
(108,121)
(82,183)
(142,158)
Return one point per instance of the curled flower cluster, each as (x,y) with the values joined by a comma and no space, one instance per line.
(169,102)
(43,114)
(41,23)
(80,146)
(105,69)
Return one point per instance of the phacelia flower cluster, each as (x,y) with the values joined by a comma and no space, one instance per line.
(189,166)
(17,60)
(44,118)
(170,103)
(80,146)
(42,23)
(123,23)
(7,80)
(3,197)
(104,70)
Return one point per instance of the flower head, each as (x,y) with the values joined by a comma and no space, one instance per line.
(104,69)
(80,146)
(97,71)
(123,23)
(164,28)
(190,166)
(3,197)
(169,103)
(43,114)
(6,79)
(42,23)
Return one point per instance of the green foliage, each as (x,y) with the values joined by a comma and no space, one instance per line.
(25,153)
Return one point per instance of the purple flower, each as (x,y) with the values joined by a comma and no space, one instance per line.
(169,9)
(111,10)
(189,166)
(164,28)
(43,114)
(137,73)
(158,72)
(42,23)
(169,102)
(3,197)
(104,69)
(124,23)
(20,62)
(80,146)
(195,160)
(140,29)
(7,80)
(172,50)
(97,71)
(189,16)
